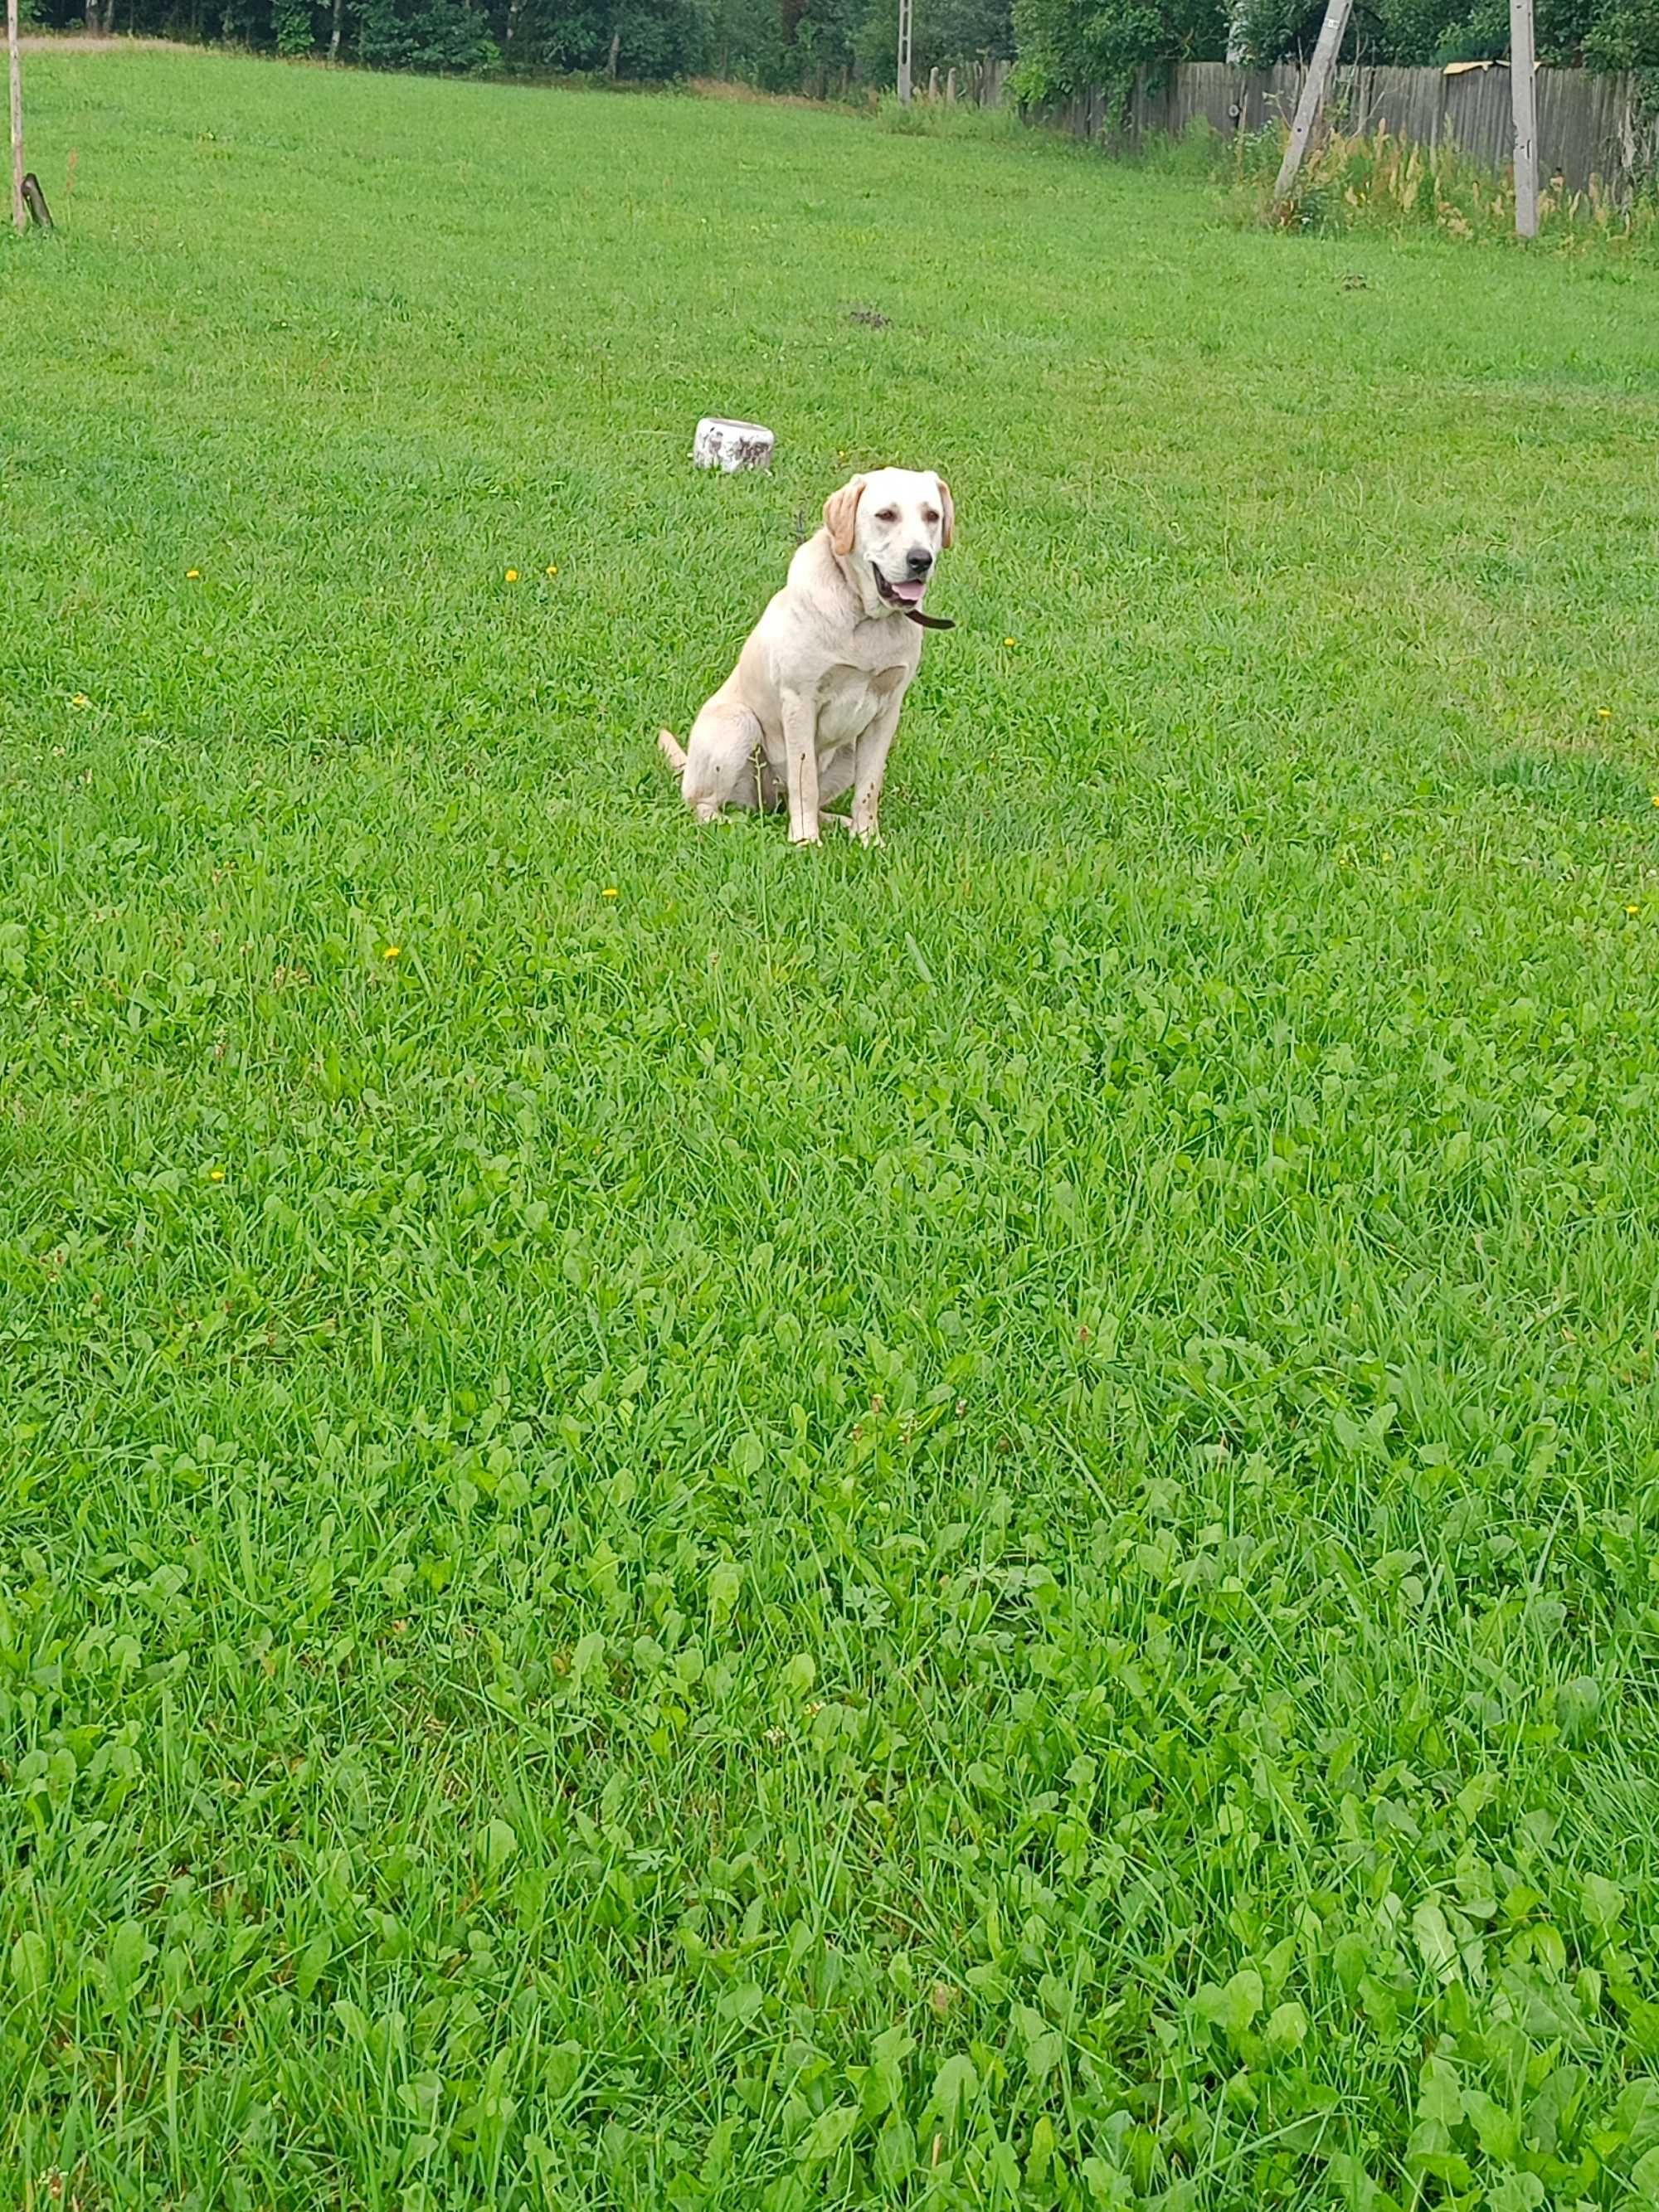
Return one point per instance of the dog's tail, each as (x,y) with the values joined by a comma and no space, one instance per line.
(672,751)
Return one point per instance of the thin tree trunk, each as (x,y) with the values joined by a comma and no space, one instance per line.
(335,33)
(615,48)
(20,214)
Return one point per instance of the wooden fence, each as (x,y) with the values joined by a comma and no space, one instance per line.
(1588,124)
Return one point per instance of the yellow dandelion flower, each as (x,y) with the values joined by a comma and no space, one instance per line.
(609,891)
(80,700)
(1632,910)
(1011,640)
(391,952)
(192,575)
(1606,712)
(215,1175)
(1656,798)
(512,575)
(552,567)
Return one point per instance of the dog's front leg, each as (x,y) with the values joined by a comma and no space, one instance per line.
(873,747)
(800,760)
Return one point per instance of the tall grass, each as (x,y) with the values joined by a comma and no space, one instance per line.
(1380,179)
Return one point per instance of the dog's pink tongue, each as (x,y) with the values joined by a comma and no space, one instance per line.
(909,595)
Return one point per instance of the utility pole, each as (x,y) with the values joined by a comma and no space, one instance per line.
(907,9)
(20,214)
(1320,70)
(1524,92)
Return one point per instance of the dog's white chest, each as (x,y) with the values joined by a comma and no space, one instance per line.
(851,698)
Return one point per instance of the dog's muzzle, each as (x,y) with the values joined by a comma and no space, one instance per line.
(906,596)
(907,591)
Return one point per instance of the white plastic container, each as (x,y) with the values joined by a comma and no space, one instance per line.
(722,443)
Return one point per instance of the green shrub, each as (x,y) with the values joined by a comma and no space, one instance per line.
(295,26)
(443,36)
(1068,46)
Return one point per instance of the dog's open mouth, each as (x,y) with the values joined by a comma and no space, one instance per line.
(908,594)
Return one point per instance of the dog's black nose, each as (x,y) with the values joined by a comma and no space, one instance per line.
(919,560)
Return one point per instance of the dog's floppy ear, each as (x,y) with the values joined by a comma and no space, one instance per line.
(949,506)
(840,514)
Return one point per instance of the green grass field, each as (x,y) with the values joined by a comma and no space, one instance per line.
(688,1524)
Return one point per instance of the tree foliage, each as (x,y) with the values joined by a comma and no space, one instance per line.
(782,46)
(1611,34)
(1067,45)
(1063,46)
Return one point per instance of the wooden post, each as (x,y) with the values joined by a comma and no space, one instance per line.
(1523,93)
(1320,70)
(906,11)
(20,214)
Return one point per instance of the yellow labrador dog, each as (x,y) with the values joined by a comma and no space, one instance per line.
(812,706)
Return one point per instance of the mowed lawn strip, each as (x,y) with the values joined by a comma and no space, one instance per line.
(686,1524)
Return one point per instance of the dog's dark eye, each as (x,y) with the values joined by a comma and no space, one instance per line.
(930,514)
(888,514)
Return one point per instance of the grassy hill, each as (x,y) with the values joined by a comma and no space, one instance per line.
(692,1525)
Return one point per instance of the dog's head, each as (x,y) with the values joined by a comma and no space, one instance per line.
(889,529)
